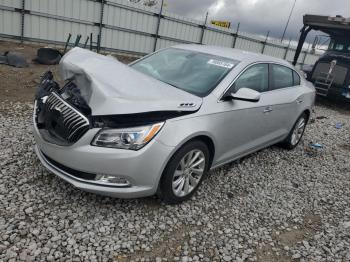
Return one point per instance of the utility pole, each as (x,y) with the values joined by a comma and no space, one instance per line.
(203,28)
(290,14)
(158,24)
(236,36)
(264,43)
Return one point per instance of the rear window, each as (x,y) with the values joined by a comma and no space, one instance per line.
(194,72)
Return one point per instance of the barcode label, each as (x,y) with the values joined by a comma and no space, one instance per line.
(220,63)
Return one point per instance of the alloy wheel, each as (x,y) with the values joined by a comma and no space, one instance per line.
(298,131)
(188,173)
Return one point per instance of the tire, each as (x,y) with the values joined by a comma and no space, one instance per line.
(48,56)
(171,189)
(294,137)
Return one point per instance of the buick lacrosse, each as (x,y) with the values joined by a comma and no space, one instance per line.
(156,126)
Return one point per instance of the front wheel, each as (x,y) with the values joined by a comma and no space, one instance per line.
(184,172)
(296,133)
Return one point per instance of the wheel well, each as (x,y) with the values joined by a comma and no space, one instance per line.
(210,144)
(206,140)
(307,112)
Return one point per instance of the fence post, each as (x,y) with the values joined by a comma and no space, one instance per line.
(236,36)
(158,25)
(99,37)
(203,28)
(305,55)
(22,19)
(264,43)
(287,49)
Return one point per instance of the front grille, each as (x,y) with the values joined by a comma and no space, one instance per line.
(64,121)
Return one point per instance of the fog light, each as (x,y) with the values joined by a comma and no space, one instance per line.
(112,179)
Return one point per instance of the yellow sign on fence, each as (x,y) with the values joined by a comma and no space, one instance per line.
(225,24)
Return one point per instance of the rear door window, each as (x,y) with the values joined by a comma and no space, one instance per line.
(281,77)
(296,78)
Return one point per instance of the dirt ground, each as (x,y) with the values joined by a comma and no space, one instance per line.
(19,84)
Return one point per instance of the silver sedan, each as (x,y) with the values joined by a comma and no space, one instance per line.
(158,125)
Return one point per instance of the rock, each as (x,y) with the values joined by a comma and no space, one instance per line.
(23,255)
(184,259)
(306,244)
(296,256)
(346,224)
(28,210)
(10,254)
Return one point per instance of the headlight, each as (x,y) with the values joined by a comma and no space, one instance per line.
(127,138)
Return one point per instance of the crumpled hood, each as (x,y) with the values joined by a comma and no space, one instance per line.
(111,87)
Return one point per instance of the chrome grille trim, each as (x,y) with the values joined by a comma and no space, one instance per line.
(75,122)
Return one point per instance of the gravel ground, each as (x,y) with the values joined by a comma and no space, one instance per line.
(274,205)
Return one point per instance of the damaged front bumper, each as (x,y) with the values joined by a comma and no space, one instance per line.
(85,185)
(80,163)
(134,173)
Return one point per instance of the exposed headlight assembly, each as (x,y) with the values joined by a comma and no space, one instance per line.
(127,138)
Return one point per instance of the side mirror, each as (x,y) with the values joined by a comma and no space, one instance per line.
(244,94)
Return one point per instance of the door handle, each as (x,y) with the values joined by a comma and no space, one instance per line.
(299,101)
(267,109)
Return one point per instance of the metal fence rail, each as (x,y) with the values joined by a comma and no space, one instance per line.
(118,25)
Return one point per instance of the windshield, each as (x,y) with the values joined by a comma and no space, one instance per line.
(340,46)
(194,72)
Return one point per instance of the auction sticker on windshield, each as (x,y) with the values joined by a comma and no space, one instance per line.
(220,63)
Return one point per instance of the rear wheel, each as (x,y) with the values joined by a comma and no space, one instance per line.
(296,133)
(184,172)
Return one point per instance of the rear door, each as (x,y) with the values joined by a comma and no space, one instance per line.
(284,97)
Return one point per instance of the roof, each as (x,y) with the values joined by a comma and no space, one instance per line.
(233,53)
(337,26)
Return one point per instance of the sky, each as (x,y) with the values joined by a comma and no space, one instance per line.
(260,16)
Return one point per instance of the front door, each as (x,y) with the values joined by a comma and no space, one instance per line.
(245,125)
